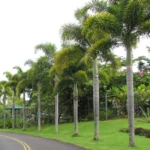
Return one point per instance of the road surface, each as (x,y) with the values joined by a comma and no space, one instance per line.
(11,141)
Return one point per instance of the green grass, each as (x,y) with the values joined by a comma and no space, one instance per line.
(110,137)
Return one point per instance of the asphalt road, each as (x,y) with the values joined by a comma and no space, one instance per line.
(11,141)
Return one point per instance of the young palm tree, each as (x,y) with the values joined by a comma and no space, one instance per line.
(5,92)
(22,88)
(125,21)
(12,82)
(67,58)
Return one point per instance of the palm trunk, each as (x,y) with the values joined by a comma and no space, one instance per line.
(75,109)
(56,113)
(39,108)
(130,97)
(13,109)
(96,99)
(106,106)
(24,120)
(56,108)
(4,101)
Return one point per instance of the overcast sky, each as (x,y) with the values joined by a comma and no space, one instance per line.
(26,23)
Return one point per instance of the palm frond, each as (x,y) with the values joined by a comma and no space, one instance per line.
(11,83)
(29,62)
(8,75)
(67,57)
(103,21)
(71,34)
(18,69)
(133,14)
(48,49)
(21,85)
(100,48)
(80,76)
(66,82)
(52,71)
(94,6)
(104,77)
(145,28)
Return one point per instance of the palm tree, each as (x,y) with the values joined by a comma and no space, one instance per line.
(34,77)
(5,92)
(74,33)
(125,21)
(49,51)
(21,88)
(56,105)
(67,58)
(37,76)
(12,82)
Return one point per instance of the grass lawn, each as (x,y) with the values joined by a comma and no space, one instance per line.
(110,137)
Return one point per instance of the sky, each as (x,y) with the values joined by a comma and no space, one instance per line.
(26,23)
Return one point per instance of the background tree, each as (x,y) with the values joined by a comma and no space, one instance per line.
(12,82)
(5,92)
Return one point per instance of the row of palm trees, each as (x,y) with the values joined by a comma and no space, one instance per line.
(101,26)
(120,22)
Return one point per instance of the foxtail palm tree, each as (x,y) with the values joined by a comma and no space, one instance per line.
(21,88)
(12,82)
(5,92)
(67,58)
(74,33)
(49,51)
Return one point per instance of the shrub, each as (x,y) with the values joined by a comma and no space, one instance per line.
(8,123)
(124,130)
(147,134)
(1,123)
(138,131)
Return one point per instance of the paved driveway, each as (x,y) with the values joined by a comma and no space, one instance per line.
(11,141)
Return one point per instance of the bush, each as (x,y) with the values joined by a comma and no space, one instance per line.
(138,131)
(18,123)
(147,134)
(124,130)
(8,123)
(1,123)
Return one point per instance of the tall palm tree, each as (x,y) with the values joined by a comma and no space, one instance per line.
(125,21)
(74,33)
(50,51)
(33,76)
(37,76)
